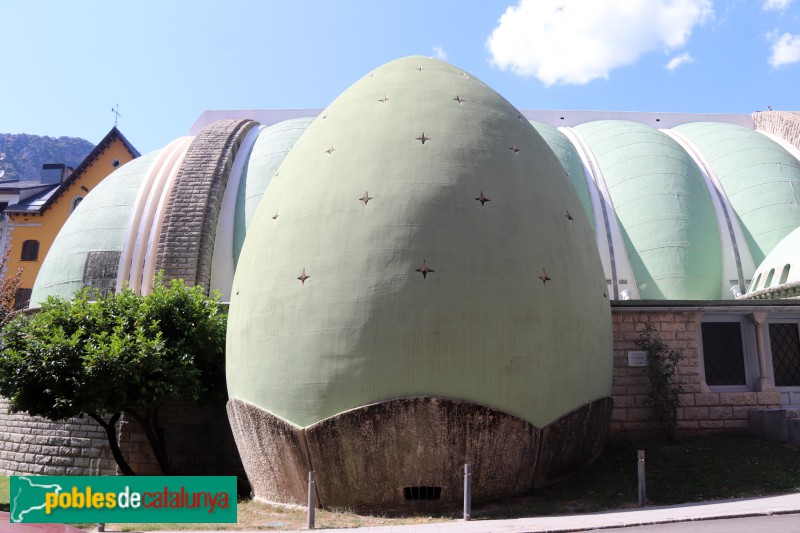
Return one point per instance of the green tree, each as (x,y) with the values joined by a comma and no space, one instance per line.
(662,367)
(102,356)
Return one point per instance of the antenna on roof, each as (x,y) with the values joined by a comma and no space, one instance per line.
(115,110)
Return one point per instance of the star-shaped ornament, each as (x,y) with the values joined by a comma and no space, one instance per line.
(303,277)
(544,277)
(423,138)
(482,198)
(366,198)
(330,150)
(425,270)
(514,149)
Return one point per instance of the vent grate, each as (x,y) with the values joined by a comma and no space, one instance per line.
(422,493)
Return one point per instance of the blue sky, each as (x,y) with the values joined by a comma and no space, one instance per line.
(67,64)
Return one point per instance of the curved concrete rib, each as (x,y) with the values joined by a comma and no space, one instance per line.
(616,264)
(148,271)
(135,241)
(222,267)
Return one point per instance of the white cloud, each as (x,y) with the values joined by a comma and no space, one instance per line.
(785,49)
(679,60)
(576,41)
(439,53)
(775,5)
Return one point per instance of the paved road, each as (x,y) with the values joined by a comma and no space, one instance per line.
(785,523)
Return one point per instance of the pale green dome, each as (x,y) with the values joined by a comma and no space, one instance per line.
(664,210)
(759,177)
(568,156)
(98,225)
(422,248)
(271,146)
(781,266)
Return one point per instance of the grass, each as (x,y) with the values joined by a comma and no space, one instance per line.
(688,470)
(4,494)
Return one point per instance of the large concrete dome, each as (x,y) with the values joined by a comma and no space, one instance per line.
(663,207)
(429,265)
(760,178)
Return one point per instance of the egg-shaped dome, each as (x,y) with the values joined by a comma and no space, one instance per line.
(362,203)
(271,146)
(760,178)
(86,251)
(663,208)
(422,261)
(568,156)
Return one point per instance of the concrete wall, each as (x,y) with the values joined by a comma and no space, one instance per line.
(702,410)
(33,445)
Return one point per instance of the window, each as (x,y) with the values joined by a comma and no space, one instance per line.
(785,345)
(75,202)
(30,251)
(723,353)
(768,283)
(23,298)
(785,274)
(754,287)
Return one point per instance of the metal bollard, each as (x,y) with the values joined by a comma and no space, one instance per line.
(467,492)
(642,491)
(312,500)
(101,527)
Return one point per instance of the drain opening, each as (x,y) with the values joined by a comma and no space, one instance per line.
(422,493)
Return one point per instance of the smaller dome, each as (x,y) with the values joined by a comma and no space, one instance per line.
(94,233)
(778,275)
(272,145)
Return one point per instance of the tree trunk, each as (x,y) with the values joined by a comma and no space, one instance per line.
(111,433)
(155,436)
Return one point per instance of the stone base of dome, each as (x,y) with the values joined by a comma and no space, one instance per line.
(410,452)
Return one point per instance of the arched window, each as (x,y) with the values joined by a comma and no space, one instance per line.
(785,274)
(30,251)
(75,201)
(768,283)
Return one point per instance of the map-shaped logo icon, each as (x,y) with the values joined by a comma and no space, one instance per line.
(29,497)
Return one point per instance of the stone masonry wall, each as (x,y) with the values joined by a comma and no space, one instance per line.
(33,445)
(199,443)
(702,411)
(785,124)
(186,244)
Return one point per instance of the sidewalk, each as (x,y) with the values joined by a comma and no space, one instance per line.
(789,503)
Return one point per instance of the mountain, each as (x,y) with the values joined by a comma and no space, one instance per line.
(25,154)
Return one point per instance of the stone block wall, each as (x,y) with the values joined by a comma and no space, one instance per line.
(785,124)
(702,411)
(33,445)
(199,442)
(186,243)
